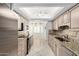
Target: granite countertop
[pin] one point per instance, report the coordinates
(30, 36)
(72, 46)
(22, 34)
(22, 37)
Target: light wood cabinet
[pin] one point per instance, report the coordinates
(22, 46)
(57, 48)
(52, 44)
(65, 52)
(55, 25)
(66, 20)
(60, 20)
(75, 18)
(63, 20)
(70, 18)
(67, 17)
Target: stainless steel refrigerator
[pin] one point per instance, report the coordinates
(8, 32)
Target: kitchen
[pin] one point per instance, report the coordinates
(41, 29)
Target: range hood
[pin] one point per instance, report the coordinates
(63, 27)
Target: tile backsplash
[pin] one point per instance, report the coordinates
(71, 34)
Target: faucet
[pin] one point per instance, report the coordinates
(65, 36)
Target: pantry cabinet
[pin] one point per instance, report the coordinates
(75, 18)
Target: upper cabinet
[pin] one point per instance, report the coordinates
(55, 25)
(75, 18)
(60, 20)
(70, 18)
(66, 20)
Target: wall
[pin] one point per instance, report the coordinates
(37, 26)
(50, 27)
(73, 34)
(25, 22)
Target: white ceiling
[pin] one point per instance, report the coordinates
(41, 11)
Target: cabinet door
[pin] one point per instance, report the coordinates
(65, 52)
(75, 18)
(60, 51)
(19, 47)
(66, 17)
(55, 25)
(66, 20)
(56, 49)
(53, 45)
(22, 50)
(49, 40)
(60, 20)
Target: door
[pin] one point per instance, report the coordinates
(43, 30)
(39, 31)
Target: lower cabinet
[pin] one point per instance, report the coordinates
(30, 42)
(55, 50)
(65, 52)
(53, 44)
(58, 49)
(22, 46)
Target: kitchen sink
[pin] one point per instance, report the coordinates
(62, 39)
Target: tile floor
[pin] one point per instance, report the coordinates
(40, 47)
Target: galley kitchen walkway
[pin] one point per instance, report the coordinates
(40, 46)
